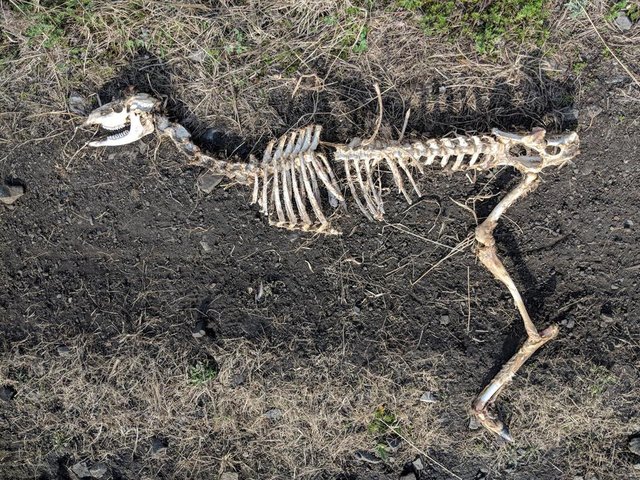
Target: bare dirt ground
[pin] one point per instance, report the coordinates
(315, 348)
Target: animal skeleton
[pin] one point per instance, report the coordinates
(296, 169)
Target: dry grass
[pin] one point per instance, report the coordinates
(109, 406)
(280, 64)
(259, 70)
(105, 402)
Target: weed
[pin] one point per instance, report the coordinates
(601, 380)
(60, 439)
(238, 44)
(632, 11)
(576, 8)
(384, 422)
(489, 26)
(49, 24)
(202, 372)
(578, 67)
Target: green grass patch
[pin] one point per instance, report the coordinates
(202, 372)
(632, 11)
(383, 422)
(490, 25)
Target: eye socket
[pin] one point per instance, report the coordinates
(552, 150)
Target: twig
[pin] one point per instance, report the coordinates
(379, 121)
(422, 452)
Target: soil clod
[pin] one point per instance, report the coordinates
(7, 393)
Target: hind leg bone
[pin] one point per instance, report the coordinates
(487, 254)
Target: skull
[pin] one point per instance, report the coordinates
(130, 119)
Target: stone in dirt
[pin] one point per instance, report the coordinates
(208, 181)
(78, 104)
(623, 22)
(367, 457)
(98, 470)
(81, 470)
(273, 414)
(634, 445)
(408, 476)
(10, 193)
(63, 350)
(229, 476)
(198, 330)
(428, 397)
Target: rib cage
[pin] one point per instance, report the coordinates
(363, 163)
(288, 188)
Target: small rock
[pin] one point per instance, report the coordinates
(606, 318)
(7, 393)
(481, 474)
(205, 246)
(98, 470)
(198, 330)
(594, 110)
(444, 320)
(473, 423)
(10, 193)
(569, 114)
(198, 56)
(428, 397)
(627, 224)
(229, 476)
(417, 464)
(273, 414)
(81, 470)
(636, 466)
(158, 445)
(394, 444)
(634, 445)
(367, 457)
(78, 104)
(409, 476)
(617, 79)
(623, 22)
(63, 350)
(208, 181)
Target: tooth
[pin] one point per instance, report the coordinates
(135, 133)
